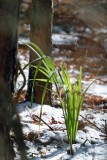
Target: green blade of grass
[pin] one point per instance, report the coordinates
(44, 91)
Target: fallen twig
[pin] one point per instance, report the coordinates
(33, 116)
(83, 143)
(93, 124)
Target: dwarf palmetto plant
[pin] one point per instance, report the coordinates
(73, 97)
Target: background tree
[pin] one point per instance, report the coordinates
(9, 14)
(41, 19)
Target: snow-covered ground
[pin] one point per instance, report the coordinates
(43, 143)
(51, 143)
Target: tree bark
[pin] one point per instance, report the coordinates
(8, 40)
(9, 10)
(41, 20)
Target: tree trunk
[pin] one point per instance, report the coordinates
(8, 40)
(9, 10)
(41, 20)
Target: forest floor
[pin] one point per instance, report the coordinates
(76, 43)
(50, 142)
